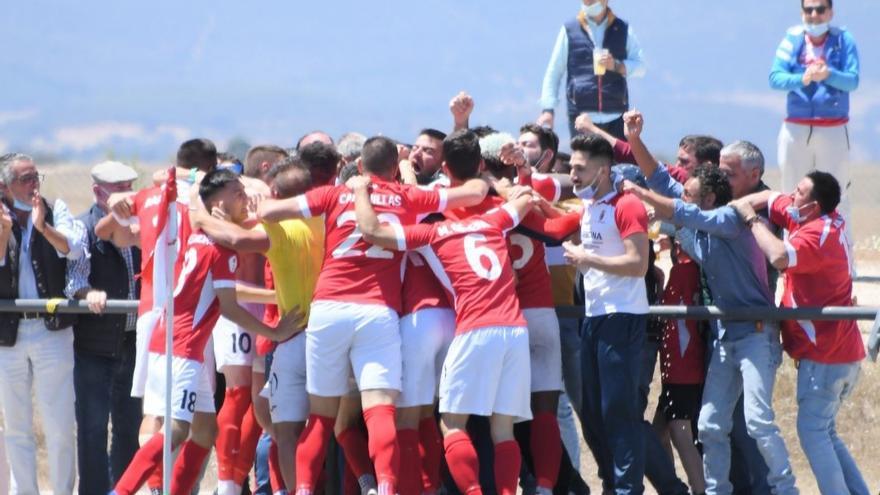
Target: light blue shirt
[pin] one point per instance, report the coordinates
(558, 66)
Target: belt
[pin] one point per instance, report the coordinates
(31, 316)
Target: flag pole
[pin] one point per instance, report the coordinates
(170, 255)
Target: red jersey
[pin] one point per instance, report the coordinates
(470, 259)
(145, 208)
(545, 185)
(355, 270)
(271, 316)
(683, 354)
(421, 289)
(817, 275)
(206, 266)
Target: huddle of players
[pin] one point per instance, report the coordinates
(467, 307)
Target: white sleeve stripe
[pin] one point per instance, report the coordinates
(513, 215)
(303, 205)
(558, 193)
(792, 254)
(772, 199)
(224, 284)
(444, 199)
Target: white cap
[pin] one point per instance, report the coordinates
(112, 172)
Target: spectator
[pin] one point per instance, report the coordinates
(314, 137)
(746, 353)
(36, 348)
(815, 261)
(321, 159)
(426, 158)
(598, 51)
(104, 345)
(613, 258)
(818, 66)
(349, 147)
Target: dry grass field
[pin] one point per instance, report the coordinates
(857, 421)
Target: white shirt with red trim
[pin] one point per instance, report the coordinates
(206, 266)
(145, 208)
(604, 226)
(355, 270)
(470, 259)
(817, 275)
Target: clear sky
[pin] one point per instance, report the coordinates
(82, 78)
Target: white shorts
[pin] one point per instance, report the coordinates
(544, 349)
(145, 325)
(191, 389)
(344, 338)
(233, 345)
(487, 372)
(286, 384)
(424, 341)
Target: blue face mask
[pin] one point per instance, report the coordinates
(588, 192)
(816, 30)
(594, 10)
(795, 212)
(21, 205)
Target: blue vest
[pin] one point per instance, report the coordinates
(818, 100)
(585, 91)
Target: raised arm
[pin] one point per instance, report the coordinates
(633, 124)
(773, 247)
(461, 106)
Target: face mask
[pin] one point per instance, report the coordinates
(795, 212)
(594, 10)
(21, 205)
(816, 30)
(588, 192)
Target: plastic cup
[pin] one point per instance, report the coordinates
(598, 68)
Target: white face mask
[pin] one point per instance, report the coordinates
(21, 205)
(816, 30)
(588, 192)
(593, 10)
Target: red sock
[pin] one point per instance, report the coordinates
(384, 451)
(507, 464)
(357, 455)
(464, 466)
(431, 452)
(188, 466)
(235, 405)
(275, 477)
(410, 462)
(310, 452)
(546, 444)
(350, 485)
(144, 462)
(250, 436)
(155, 479)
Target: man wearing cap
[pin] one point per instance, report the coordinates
(37, 237)
(104, 345)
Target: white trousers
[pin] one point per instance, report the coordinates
(40, 361)
(804, 148)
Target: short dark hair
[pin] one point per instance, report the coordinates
(483, 130)
(706, 148)
(259, 154)
(214, 181)
(433, 134)
(713, 180)
(830, 4)
(197, 153)
(826, 190)
(595, 146)
(461, 151)
(379, 156)
(547, 139)
(321, 159)
(279, 170)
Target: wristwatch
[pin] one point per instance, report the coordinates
(751, 220)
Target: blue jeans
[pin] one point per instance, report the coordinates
(746, 366)
(611, 361)
(103, 394)
(659, 467)
(821, 389)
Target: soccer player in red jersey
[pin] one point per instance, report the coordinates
(353, 322)
(205, 289)
(487, 369)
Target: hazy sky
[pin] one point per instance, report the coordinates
(82, 78)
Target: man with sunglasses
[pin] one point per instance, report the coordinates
(36, 348)
(818, 66)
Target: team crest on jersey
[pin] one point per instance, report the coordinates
(602, 216)
(233, 263)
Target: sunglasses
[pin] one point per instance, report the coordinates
(30, 178)
(819, 10)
